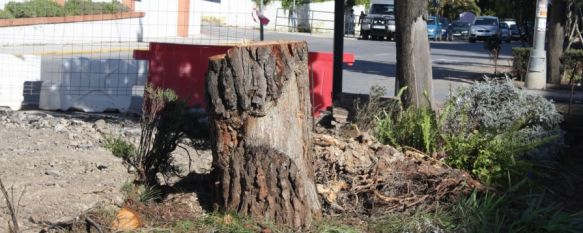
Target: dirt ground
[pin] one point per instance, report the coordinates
(56, 164)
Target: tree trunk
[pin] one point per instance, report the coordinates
(260, 117)
(557, 20)
(413, 57)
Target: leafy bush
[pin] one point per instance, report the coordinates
(88, 7)
(572, 64)
(520, 62)
(490, 129)
(4, 14)
(35, 8)
(494, 107)
(488, 126)
(49, 8)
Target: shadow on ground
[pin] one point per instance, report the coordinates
(439, 72)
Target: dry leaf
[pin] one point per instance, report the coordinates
(126, 220)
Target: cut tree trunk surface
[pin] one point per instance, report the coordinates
(259, 112)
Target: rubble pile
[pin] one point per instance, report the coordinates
(84, 131)
(361, 176)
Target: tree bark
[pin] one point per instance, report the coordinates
(557, 20)
(413, 57)
(260, 117)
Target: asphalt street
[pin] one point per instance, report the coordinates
(454, 63)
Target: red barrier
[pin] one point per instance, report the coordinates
(321, 70)
(183, 67)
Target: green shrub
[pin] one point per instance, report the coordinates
(4, 14)
(20, 9)
(49, 8)
(520, 62)
(35, 8)
(490, 129)
(572, 64)
(88, 7)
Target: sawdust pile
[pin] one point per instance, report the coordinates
(361, 176)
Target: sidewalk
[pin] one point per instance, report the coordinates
(88, 48)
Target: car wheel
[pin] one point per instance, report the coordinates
(472, 40)
(365, 36)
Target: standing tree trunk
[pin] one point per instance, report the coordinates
(558, 18)
(260, 117)
(413, 57)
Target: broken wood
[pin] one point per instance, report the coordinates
(259, 113)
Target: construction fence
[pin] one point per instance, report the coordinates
(79, 54)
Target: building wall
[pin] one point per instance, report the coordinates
(160, 21)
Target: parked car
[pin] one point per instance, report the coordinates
(460, 29)
(515, 34)
(505, 32)
(434, 28)
(380, 21)
(484, 27)
(445, 29)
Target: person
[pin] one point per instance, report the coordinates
(361, 17)
(293, 18)
(350, 23)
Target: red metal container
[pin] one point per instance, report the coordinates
(183, 67)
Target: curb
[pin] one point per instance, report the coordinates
(92, 51)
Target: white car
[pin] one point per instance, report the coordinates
(484, 27)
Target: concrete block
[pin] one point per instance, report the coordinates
(16, 72)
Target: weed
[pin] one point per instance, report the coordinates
(184, 226)
(418, 222)
(165, 121)
(513, 211)
(12, 205)
(367, 112)
(142, 193)
(330, 225)
(414, 127)
(228, 223)
(119, 147)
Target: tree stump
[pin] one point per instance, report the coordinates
(413, 57)
(260, 118)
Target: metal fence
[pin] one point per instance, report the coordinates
(81, 56)
(314, 22)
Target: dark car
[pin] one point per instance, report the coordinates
(515, 33)
(460, 30)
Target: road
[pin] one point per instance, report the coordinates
(454, 63)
